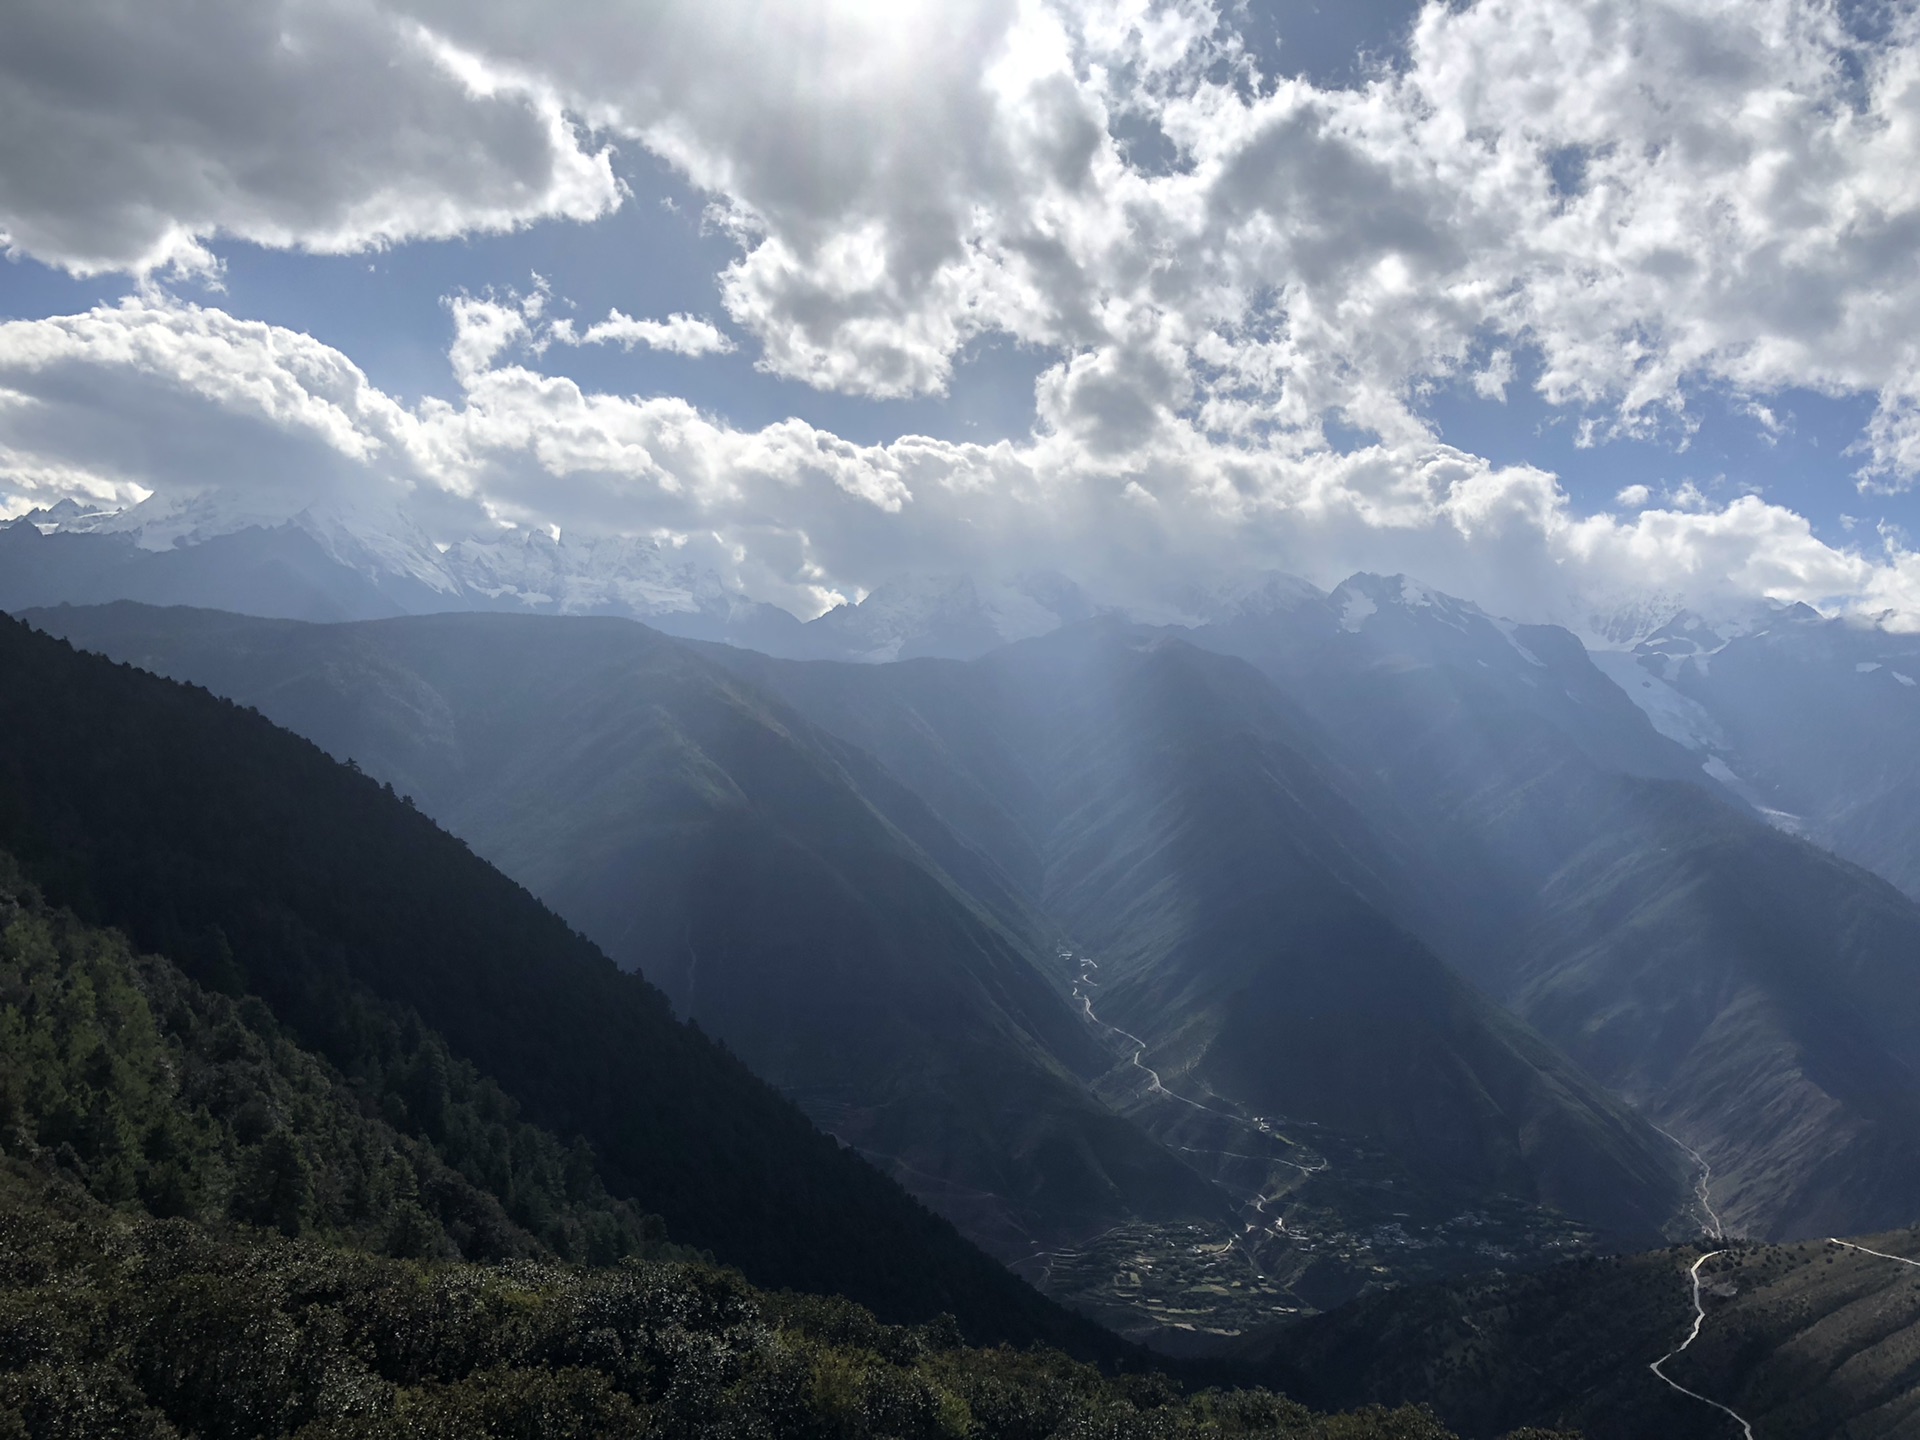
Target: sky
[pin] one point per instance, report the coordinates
(1556, 304)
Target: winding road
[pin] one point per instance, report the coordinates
(1897, 1259)
(1700, 1314)
(1699, 1319)
(1139, 1046)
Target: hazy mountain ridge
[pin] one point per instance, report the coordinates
(1569, 834)
(1818, 720)
(1379, 760)
(332, 561)
(946, 616)
(542, 766)
(1488, 759)
(721, 847)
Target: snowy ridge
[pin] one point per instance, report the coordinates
(533, 569)
(953, 616)
(1678, 717)
(568, 576)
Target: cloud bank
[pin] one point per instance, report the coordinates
(798, 515)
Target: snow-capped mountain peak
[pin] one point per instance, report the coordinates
(1664, 627)
(1360, 598)
(66, 514)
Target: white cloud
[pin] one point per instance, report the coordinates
(677, 334)
(240, 368)
(902, 179)
(131, 135)
(144, 393)
(905, 178)
(1491, 382)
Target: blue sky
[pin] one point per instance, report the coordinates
(1223, 280)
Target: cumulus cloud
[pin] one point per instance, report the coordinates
(1651, 194)
(132, 135)
(677, 334)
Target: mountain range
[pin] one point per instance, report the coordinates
(1508, 834)
(1208, 966)
(1694, 957)
(1811, 718)
(332, 560)
(799, 899)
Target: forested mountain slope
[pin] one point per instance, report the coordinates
(1235, 921)
(790, 896)
(264, 868)
(141, 1086)
(163, 1145)
(118, 1325)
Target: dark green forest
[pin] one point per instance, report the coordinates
(112, 1326)
(206, 1231)
(141, 1086)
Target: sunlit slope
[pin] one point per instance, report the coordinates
(1751, 993)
